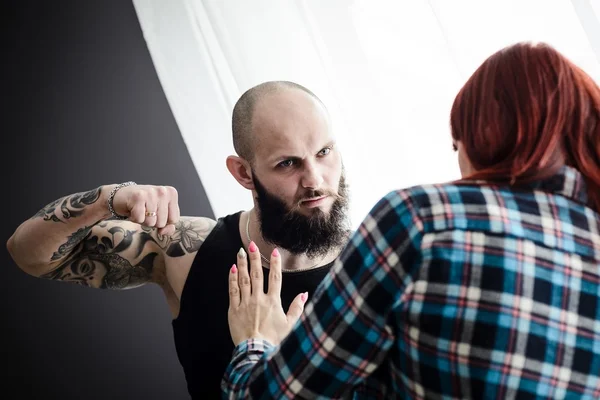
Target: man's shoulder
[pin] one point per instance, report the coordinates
(181, 249)
(216, 233)
(199, 225)
(198, 241)
(190, 233)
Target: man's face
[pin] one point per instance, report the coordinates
(300, 192)
(314, 235)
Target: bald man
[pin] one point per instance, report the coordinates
(127, 235)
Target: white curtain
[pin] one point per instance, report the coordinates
(388, 71)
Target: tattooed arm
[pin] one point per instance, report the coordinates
(73, 239)
(122, 255)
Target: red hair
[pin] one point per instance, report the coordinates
(526, 112)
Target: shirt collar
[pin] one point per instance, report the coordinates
(567, 182)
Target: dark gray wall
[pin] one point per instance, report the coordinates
(82, 106)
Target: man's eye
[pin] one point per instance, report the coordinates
(286, 163)
(325, 151)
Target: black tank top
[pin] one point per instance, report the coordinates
(201, 330)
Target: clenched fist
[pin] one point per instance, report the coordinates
(149, 205)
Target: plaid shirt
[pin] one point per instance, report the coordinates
(451, 292)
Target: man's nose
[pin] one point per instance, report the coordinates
(312, 177)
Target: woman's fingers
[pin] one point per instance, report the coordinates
(252, 313)
(243, 276)
(256, 273)
(296, 308)
(275, 276)
(234, 288)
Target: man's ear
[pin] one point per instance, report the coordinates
(241, 171)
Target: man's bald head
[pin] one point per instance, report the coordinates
(243, 112)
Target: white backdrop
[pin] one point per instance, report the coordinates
(388, 70)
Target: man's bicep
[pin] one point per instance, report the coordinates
(111, 254)
(190, 233)
(117, 254)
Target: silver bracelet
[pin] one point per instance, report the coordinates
(112, 196)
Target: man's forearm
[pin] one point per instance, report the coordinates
(50, 235)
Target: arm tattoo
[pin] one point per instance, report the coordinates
(92, 258)
(188, 237)
(48, 212)
(71, 206)
(96, 258)
(119, 273)
(71, 242)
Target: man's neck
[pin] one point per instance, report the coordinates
(290, 262)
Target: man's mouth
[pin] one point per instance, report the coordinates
(313, 201)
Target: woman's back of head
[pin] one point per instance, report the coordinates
(526, 112)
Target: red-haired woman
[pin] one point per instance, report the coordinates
(484, 288)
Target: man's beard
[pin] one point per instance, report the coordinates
(314, 235)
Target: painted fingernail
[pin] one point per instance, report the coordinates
(304, 296)
(275, 252)
(252, 247)
(233, 269)
(242, 252)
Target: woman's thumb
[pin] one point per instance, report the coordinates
(296, 308)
